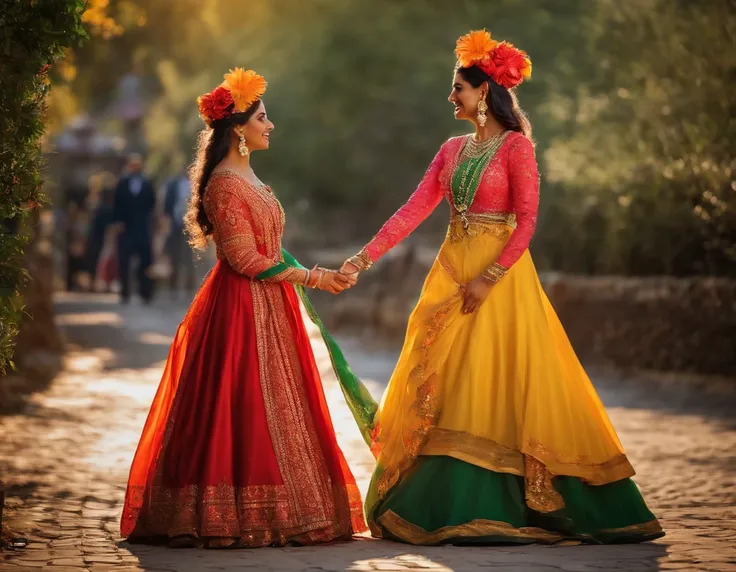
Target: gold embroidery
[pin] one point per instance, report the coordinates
(447, 267)
(485, 453)
(479, 528)
(426, 406)
(581, 466)
(540, 493)
(284, 276)
(279, 373)
(499, 225)
(644, 528)
(248, 224)
(293, 435)
(254, 515)
(474, 450)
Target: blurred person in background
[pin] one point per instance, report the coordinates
(133, 207)
(102, 219)
(176, 201)
(201, 475)
(490, 431)
(76, 224)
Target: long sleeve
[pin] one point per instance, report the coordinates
(237, 239)
(419, 206)
(524, 187)
(230, 216)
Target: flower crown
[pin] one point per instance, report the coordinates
(241, 89)
(504, 63)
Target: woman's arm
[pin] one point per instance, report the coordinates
(231, 216)
(524, 185)
(419, 206)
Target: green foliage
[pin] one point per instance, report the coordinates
(630, 101)
(644, 171)
(33, 34)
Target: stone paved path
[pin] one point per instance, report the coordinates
(65, 463)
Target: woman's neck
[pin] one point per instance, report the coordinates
(491, 128)
(235, 160)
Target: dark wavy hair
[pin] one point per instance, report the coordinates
(502, 102)
(213, 145)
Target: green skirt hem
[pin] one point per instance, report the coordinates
(447, 501)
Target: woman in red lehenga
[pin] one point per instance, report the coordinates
(239, 449)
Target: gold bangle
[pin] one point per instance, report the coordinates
(361, 260)
(319, 280)
(494, 272)
(307, 276)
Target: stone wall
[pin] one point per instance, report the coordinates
(661, 323)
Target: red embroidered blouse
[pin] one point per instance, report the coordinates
(509, 184)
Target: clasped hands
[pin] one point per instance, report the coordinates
(334, 281)
(474, 293)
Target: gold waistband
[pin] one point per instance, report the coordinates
(487, 218)
(473, 224)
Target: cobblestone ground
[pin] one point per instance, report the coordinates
(65, 462)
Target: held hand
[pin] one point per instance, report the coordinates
(475, 293)
(350, 269)
(335, 282)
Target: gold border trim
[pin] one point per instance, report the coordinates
(500, 225)
(414, 534)
(475, 450)
(507, 218)
(446, 265)
(424, 412)
(651, 527)
(493, 456)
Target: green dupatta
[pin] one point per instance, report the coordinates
(359, 400)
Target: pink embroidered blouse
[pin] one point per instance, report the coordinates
(509, 184)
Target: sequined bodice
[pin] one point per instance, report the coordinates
(509, 184)
(248, 222)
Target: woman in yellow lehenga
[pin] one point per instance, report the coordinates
(490, 430)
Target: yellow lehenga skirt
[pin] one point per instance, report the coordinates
(499, 392)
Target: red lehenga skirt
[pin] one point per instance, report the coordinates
(239, 448)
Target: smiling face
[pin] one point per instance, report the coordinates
(465, 98)
(257, 129)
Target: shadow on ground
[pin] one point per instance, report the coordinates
(385, 553)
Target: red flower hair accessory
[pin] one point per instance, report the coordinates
(504, 63)
(238, 92)
(215, 105)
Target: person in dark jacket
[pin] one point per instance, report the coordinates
(133, 211)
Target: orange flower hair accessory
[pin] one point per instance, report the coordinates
(501, 61)
(246, 87)
(241, 89)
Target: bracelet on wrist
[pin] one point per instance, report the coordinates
(361, 260)
(494, 272)
(322, 273)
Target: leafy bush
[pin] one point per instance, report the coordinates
(33, 35)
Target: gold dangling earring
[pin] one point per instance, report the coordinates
(242, 149)
(482, 108)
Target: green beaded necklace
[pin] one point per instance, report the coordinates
(466, 178)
